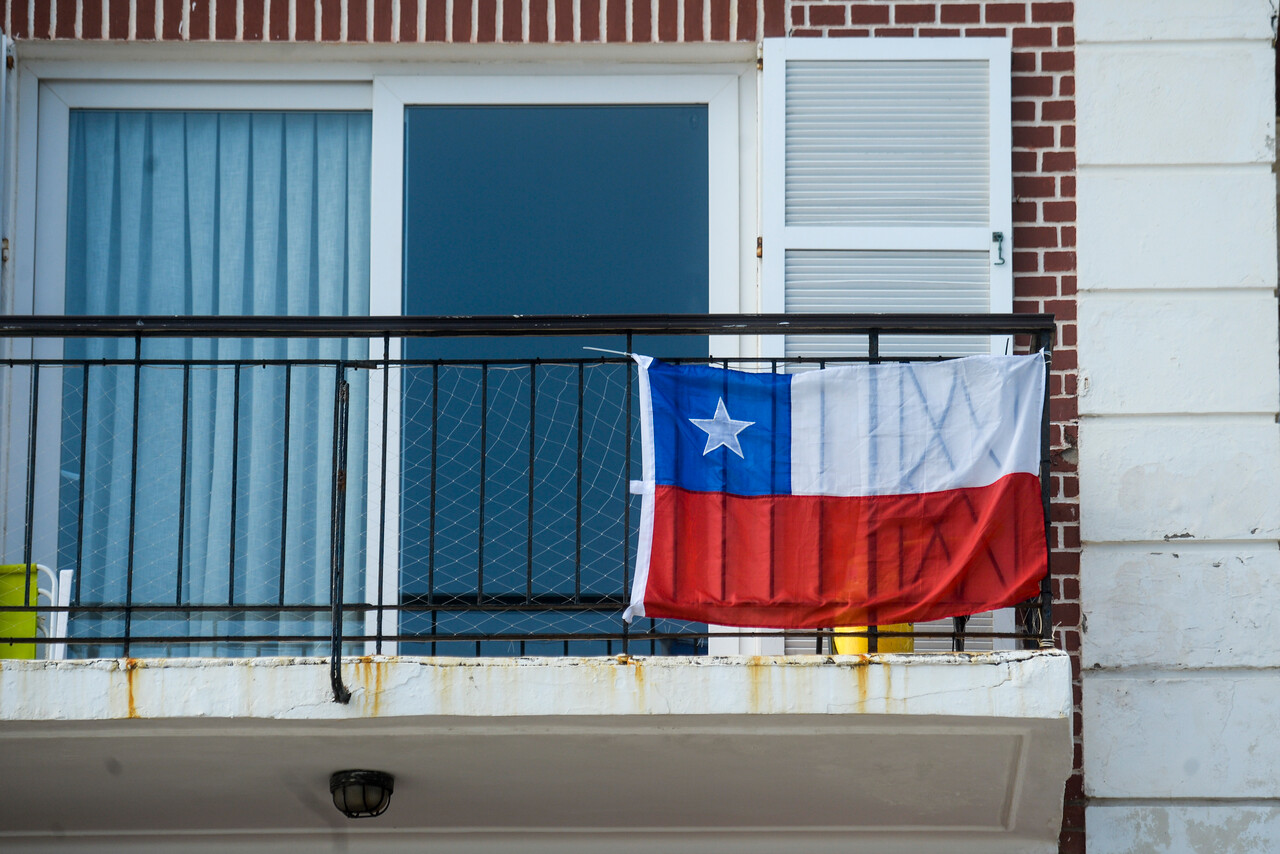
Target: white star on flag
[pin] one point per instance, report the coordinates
(721, 430)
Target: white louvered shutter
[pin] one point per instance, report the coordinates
(886, 175)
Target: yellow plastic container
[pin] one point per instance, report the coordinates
(17, 624)
(856, 645)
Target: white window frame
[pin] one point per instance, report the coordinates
(40, 238)
(391, 94)
(50, 89)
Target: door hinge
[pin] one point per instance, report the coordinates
(759, 247)
(4, 251)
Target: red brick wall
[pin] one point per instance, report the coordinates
(478, 21)
(1044, 160)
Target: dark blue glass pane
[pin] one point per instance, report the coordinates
(538, 210)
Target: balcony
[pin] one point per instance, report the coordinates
(356, 542)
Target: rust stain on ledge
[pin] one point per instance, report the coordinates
(371, 672)
(131, 666)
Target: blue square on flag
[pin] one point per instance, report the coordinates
(721, 431)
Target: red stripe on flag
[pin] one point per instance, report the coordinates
(820, 561)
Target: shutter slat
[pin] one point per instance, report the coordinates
(842, 281)
(873, 143)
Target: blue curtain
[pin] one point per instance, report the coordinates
(211, 484)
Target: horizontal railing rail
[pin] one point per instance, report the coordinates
(291, 326)
(320, 485)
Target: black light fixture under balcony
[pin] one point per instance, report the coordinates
(361, 794)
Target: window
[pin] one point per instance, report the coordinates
(216, 210)
(537, 195)
(147, 143)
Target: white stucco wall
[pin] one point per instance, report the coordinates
(1179, 443)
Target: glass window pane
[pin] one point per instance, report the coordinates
(182, 482)
(537, 210)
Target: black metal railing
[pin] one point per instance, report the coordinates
(318, 485)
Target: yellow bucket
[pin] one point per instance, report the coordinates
(17, 624)
(855, 645)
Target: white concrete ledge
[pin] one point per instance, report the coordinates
(928, 754)
(1029, 684)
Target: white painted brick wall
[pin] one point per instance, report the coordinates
(1179, 829)
(1170, 227)
(1194, 351)
(1197, 103)
(1145, 478)
(1171, 20)
(1228, 616)
(1177, 735)
(1178, 435)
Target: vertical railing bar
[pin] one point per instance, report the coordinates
(431, 513)
(235, 484)
(382, 494)
(133, 494)
(626, 501)
(484, 474)
(28, 544)
(284, 481)
(577, 506)
(873, 632)
(822, 364)
(337, 544)
(773, 472)
(84, 448)
(182, 479)
(533, 421)
(1045, 342)
(724, 498)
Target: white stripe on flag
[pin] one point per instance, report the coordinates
(895, 429)
(644, 545)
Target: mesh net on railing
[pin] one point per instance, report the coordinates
(193, 499)
(195, 504)
(515, 512)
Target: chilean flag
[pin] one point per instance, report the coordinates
(862, 495)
